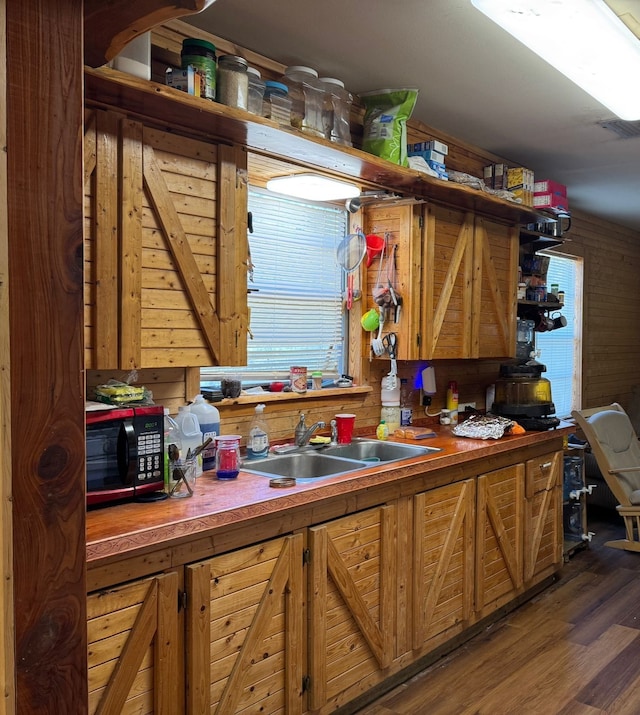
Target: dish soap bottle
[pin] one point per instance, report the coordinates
(258, 442)
(382, 431)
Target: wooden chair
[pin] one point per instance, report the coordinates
(615, 446)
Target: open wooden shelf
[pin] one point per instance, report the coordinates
(177, 110)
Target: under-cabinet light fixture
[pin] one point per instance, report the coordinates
(582, 39)
(313, 187)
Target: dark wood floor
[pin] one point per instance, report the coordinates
(572, 650)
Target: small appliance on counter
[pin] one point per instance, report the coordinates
(125, 454)
(521, 394)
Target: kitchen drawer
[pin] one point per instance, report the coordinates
(543, 473)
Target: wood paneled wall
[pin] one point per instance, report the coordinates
(611, 294)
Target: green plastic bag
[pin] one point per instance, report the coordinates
(385, 122)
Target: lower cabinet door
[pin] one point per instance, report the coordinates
(499, 537)
(543, 533)
(444, 525)
(134, 649)
(244, 641)
(351, 602)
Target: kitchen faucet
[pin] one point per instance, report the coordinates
(303, 434)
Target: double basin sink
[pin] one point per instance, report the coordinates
(334, 460)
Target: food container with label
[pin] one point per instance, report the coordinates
(202, 55)
(232, 81)
(298, 379)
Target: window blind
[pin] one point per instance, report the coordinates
(295, 302)
(559, 349)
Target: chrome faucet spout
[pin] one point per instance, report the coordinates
(302, 440)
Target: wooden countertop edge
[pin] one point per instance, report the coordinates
(128, 530)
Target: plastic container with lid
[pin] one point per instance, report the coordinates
(256, 91)
(201, 54)
(307, 98)
(336, 111)
(190, 434)
(277, 103)
(390, 415)
(232, 81)
(209, 421)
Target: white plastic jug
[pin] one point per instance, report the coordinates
(190, 433)
(209, 420)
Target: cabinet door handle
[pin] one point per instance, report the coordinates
(545, 465)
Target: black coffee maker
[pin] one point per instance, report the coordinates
(521, 393)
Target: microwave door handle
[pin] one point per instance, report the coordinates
(127, 452)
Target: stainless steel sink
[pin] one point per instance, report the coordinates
(303, 465)
(333, 461)
(373, 450)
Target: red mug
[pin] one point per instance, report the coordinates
(344, 423)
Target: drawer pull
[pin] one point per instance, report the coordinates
(545, 465)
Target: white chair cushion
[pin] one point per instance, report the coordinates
(613, 429)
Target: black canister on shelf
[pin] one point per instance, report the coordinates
(201, 54)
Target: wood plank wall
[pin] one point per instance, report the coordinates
(611, 330)
(45, 404)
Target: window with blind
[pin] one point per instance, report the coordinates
(296, 288)
(560, 350)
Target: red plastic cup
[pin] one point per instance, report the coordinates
(344, 423)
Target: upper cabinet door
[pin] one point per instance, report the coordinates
(495, 289)
(469, 266)
(165, 248)
(448, 276)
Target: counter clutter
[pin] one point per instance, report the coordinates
(125, 529)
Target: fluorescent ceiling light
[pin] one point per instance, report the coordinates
(583, 39)
(313, 187)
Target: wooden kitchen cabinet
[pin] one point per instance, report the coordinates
(244, 633)
(135, 648)
(352, 594)
(165, 247)
(499, 574)
(443, 563)
(543, 533)
(469, 274)
(456, 272)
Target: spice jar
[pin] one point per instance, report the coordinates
(227, 456)
(201, 55)
(232, 81)
(256, 91)
(277, 104)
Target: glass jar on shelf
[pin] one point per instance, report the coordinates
(232, 81)
(336, 112)
(256, 91)
(307, 98)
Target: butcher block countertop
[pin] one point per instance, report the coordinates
(225, 514)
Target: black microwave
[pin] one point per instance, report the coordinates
(125, 454)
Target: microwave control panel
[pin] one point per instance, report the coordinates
(150, 448)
